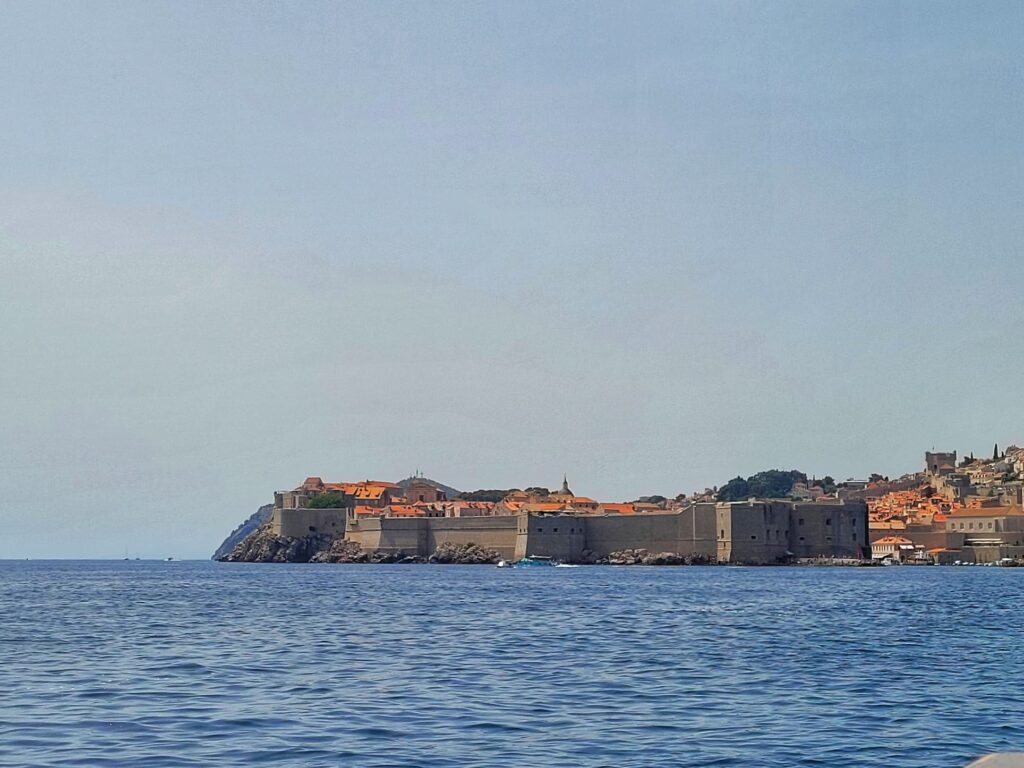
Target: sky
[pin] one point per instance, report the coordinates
(648, 245)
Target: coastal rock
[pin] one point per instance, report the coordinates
(262, 546)
(664, 558)
(341, 551)
(245, 529)
(643, 557)
(463, 554)
(627, 557)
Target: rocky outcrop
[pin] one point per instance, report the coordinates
(643, 557)
(341, 551)
(463, 554)
(255, 520)
(262, 546)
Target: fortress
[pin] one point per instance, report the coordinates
(756, 531)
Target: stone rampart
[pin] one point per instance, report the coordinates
(302, 522)
(422, 536)
(570, 537)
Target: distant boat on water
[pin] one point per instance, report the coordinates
(536, 561)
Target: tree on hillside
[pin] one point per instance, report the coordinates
(538, 491)
(828, 484)
(486, 495)
(770, 484)
(995, 453)
(775, 483)
(330, 501)
(734, 490)
(649, 500)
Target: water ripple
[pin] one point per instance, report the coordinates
(198, 664)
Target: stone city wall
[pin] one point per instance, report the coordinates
(305, 522)
(742, 532)
(421, 536)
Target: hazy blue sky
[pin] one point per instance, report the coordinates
(649, 245)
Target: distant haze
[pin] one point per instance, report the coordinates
(651, 246)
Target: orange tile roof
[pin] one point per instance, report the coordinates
(369, 492)
(893, 540)
(622, 509)
(381, 483)
(406, 510)
(987, 512)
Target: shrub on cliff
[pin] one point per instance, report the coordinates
(486, 495)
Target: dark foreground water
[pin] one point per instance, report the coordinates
(201, 664)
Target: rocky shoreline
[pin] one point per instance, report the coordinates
(262, 546)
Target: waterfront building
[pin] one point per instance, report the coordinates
(896, 548)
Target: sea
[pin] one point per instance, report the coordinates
(214, 664)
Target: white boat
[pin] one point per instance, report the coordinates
(536, 561)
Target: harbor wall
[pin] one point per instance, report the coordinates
(753, 532)
(574, 537)
(422, 536)
(769, 531)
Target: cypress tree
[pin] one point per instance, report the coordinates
(995, 453)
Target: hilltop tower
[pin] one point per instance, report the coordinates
(941, 463)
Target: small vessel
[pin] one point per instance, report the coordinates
(504, 564)
(168, 559)
(536, 561)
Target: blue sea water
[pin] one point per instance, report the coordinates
(205, 664)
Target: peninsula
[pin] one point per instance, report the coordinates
(950, 512)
